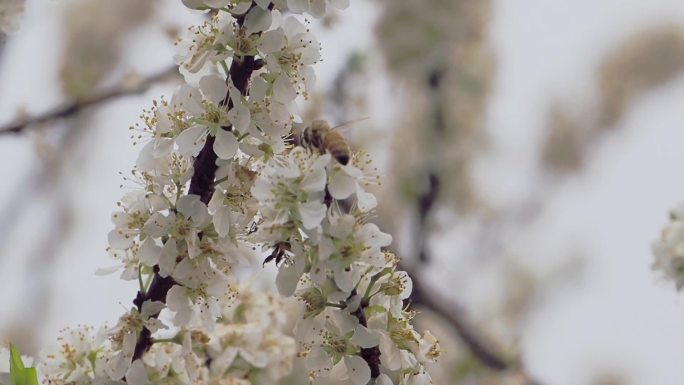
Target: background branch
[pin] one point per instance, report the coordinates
(98, 98)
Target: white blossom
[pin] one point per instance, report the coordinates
(290, 51)
(10, 12)
(206, 44)
(290, 191)
(317, 8)
(72, 361)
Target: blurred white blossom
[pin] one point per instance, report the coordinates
(10, 12)
(669, 249)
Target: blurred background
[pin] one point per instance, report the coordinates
(529, 153)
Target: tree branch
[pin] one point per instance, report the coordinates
(74, 107)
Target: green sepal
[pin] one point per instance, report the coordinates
(19, 374)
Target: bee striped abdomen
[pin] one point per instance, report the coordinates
(335, 143)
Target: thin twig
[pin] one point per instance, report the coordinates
(74, 107)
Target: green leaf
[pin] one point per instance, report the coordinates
(19, 374)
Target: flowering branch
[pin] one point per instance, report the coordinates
(75, 107)
(219, 186)
(201, 184)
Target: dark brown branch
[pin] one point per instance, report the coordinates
(74, 107)
(202, 184)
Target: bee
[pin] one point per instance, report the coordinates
(320, 136)
(279, 253)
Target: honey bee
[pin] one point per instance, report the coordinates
(279, 253)
(320, 136)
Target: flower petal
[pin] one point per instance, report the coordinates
(191, 140)
(257, 20)
(287, 280)
(341, 185)
(222, 221)
(358, 370)
(213, 88)
(225, 145)
(312, 213)
(283, 91)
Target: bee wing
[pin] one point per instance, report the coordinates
(347, 124)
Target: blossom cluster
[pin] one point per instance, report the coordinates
(221, 185)
(669, 248)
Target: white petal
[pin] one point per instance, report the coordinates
(383, 379)
(258, 89)
(149, 252)
(292, 26)
(225, 145)
(389, 353)
(340, 4)
(312, 213)
(213, 88)
(146, 159)
(216, 200)
(150, 308)
(364, 337)
(136, 374)
(297, 6)
(345, 321)
(272, 41)
(157, 225)
(358, 370)
(317, 8)
(257, 20)
(408, 284)
(287, 280)
(374, 237)
(191, 140)
(107, 270)
(218, 284)
(162, 147)
(420, 378)
(217, 3)
(239, 116)
(365, 201)
(346, 279)
(190, 99)
(222, 221)
(120, 240)
(167, 258)
(309, 75)
(194, 4)
(314, 181)
(221, 363)
(192, 207)
(178, 302)
(318, 359)
(193, 242)
(283, 91)
(341, 186)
